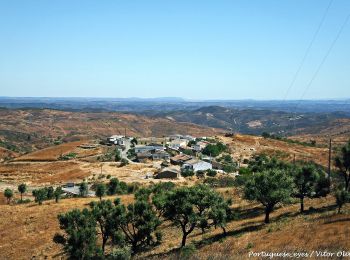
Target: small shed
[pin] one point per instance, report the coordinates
(168, 173)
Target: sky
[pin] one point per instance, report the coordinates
(195, 49)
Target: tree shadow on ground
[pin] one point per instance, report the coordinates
(337, 220)
(234, 233)
(323, 209)
(248, 213)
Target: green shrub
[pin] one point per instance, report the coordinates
(25, 201)
(67, 157)
(120, 254)
(211, 173)
(187, 172)
(187, 251)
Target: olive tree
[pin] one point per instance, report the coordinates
(58, 193)
(22, 188)
(8, 193)
(40, 195)
(102, 212)
(83, 189)
(80, 235)
(195, 207)
(341, 196)
(342, 161)
(101, 190)
(305, 179)
(269, 187)
(137, 221)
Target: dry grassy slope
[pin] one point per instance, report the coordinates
(340, 132)
(29, 231)
(6, 154)
(42, 173)
(244, 146)
(39, 127)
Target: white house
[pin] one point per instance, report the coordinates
(148, 148)
(199, 146)
(178, 143)
(197, 165)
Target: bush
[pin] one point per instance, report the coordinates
(187, 251)
(67, 157)
(214, 149)
(120, 254)
(221, 182)
(211, 173)
(187, 172)
(159, 237)
(23, 201)
(229, 168)
(133, 187)
(123, 162)
(200, 174)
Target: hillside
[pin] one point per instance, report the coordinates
(34, 129)
(245, 146)
(6, 154)
(29, 231)
(257, 121)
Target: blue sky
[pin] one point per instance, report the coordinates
(191, 49)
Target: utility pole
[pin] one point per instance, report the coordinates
(329, 160)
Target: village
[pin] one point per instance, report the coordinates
(171, 158)
(175, 154)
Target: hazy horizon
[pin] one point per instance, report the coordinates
(173, 98)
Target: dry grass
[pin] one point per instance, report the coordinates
(52, 153)
(26, 231)
(29, 231)
(42, 172)
(244, 146)
(6, 154)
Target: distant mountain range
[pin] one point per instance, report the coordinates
(173, 104)
(43, 120)
(255, 121)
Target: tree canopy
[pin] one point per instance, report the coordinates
(342, 161)
(269, 187)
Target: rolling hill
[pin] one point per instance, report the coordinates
(257, 121)
(28, 130)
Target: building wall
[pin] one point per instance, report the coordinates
(202, 166)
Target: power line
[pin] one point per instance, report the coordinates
(324, 59)
(320, 66)
(308, 49)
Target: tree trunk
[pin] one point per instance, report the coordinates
(183, 243)
(302, 204)
(21, 196)
(104, 240)
(134, 247)
(268, 210)
(224, 230)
